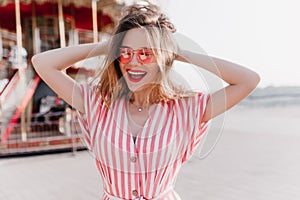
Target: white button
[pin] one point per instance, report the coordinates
(135, 192)
(133, 159)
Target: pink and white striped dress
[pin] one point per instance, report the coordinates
(148, 167)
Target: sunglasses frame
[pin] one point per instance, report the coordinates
(138, 53)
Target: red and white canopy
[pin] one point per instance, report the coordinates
(80, 10)
(76, 3)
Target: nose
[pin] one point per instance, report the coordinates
(134, 59)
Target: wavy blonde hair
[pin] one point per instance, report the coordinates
(109, 81)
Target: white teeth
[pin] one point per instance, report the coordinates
(136, 73)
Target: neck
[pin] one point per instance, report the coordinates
(140, 98)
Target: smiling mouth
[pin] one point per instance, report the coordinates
(136, 76)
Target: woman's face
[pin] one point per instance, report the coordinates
(137, 61)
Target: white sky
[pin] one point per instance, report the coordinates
(263, 35)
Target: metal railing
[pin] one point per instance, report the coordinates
(48, 132)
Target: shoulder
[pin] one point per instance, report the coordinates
(194, 104)
(88, 89)
(87, 86)
(90, 94)
(193, 96)
(190, 102)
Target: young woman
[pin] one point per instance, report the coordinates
(139, 125)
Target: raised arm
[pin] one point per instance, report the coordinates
(50, 65)
(241, 81)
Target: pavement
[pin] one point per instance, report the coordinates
(254, 160)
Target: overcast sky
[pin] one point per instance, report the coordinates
(263, 35)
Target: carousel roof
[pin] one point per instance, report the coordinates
(76, 3)
(80, 10)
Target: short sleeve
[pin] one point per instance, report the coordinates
(196, 106)
(92, 107)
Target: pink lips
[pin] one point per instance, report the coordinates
(135, 75)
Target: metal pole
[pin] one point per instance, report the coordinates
(1, 47)
(95, 23)
(61, 24)
(33, 28)
(19, 32)
(20, 70)
(68, 121)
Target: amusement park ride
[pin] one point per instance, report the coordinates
(32, 118)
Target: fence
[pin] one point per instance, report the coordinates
(49, 132)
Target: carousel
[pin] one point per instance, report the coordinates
(32, 117)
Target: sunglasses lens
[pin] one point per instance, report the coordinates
(125, 55)
(145, 56)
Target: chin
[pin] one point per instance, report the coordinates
(136, 88)
(144, 84)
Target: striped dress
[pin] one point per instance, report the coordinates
(147, 167)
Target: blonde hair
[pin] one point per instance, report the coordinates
(109, 81)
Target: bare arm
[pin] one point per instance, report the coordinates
(241, 81)
(50, 65)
